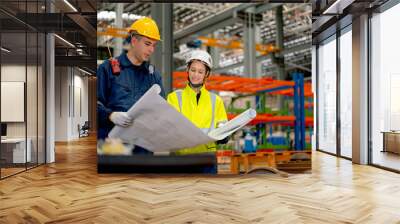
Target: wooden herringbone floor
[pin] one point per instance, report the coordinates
(71, 191)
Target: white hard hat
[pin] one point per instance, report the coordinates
(201, 56)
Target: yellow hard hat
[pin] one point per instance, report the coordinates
(147, 27)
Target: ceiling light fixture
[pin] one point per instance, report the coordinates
(337, 7)
(64, 40)
(86, 72)
(70, 5)
(5, 49)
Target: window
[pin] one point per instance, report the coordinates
(385, 84)
(346, 93)
(327, 95)
(22, 90)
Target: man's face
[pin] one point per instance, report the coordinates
(143, 47)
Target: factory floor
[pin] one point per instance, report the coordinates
(71, 191)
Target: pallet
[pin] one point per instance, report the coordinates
(271, 161)
(249, 163)
(295, 166)
(289, 156)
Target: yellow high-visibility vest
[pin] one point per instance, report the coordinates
(205, 115)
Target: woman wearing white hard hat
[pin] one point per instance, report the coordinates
(205, 109)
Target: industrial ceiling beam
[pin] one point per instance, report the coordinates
(320, 23)
(207, 30)
(302, 64)
(82, 61)
(266, 7)
(264, 57)
(89, 30)
(83, 23)
(130, 7)
(287, 68)
(197, 7)
(293, 65)
(209, 24)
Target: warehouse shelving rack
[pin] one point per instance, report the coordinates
(258, 87)
(270, 160)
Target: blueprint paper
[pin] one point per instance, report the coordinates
(159, 127)
(233, 125)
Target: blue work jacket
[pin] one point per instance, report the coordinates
(118, 92)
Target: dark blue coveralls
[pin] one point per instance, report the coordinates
(118, 92)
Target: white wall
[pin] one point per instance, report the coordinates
(12, 73)
(61, 103)
(80, 110)
(71, 93)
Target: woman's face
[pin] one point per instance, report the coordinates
(197, 72)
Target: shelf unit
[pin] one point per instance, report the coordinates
(259, 87)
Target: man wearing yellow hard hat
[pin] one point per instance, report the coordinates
(122, 81)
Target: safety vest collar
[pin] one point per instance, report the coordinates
(191, 92)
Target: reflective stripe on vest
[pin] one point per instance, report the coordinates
(213, 98)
